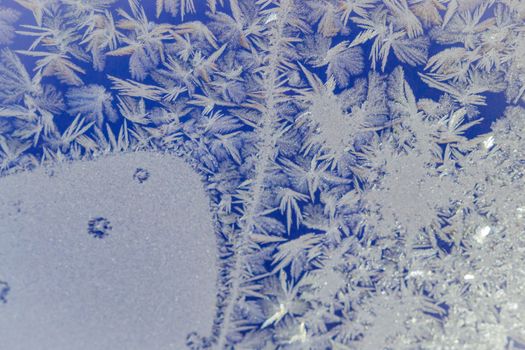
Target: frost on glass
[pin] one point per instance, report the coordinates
(94, 259)
(363, 159)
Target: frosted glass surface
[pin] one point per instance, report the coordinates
(146, 283)
(363, 160)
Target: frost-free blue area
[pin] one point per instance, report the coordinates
(117, 66)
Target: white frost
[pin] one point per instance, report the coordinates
(146, 285)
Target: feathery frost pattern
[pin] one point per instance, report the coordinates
(365, 194)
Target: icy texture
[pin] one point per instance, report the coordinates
(363, 158)
(147, 282)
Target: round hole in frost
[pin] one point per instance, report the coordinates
(99, 227)
(147, 285)
(141, 175)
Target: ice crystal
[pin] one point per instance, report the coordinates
(7, 18)
(93, 101)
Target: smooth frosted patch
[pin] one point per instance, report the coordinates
(145, 281)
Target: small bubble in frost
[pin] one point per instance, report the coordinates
(141, 175)
(99, 227)
(4, 290)
(196, 342)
